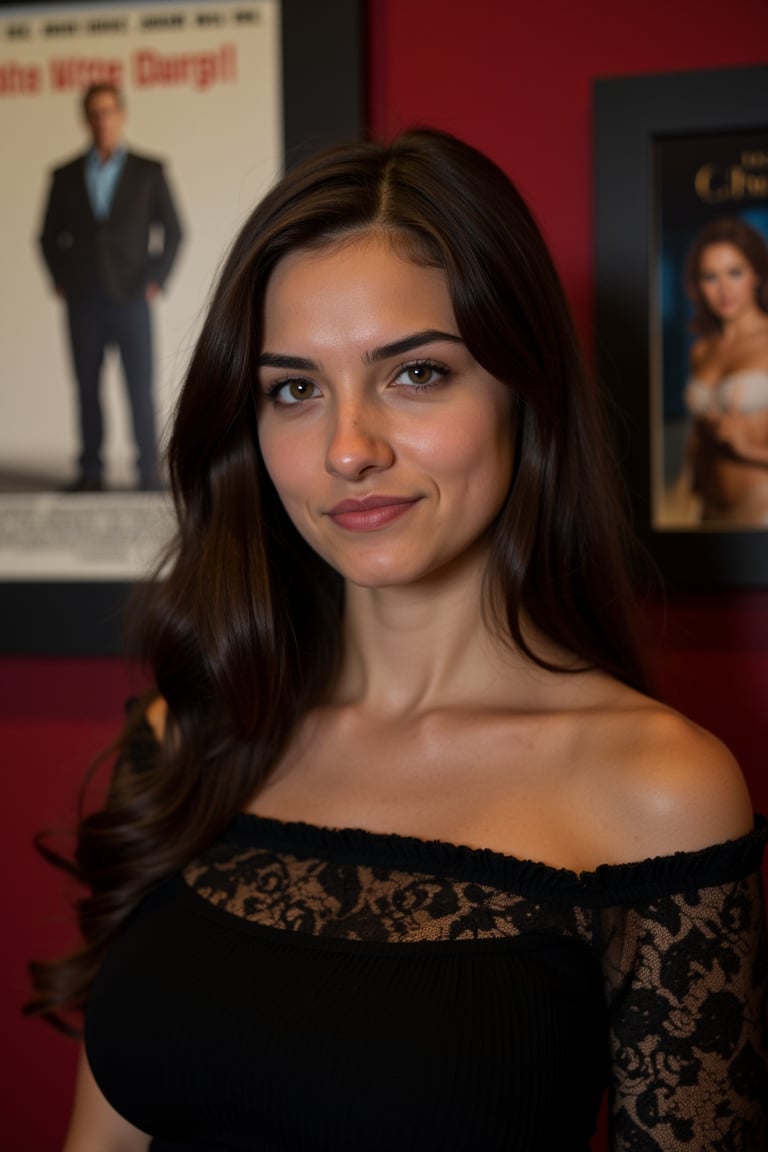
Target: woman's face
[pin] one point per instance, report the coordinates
(389, 445)
(727, 281)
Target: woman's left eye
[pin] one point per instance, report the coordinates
(421, 374)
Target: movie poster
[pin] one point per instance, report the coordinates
(202, 84)
(709, 351)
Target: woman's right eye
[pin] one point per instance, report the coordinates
(288, 393)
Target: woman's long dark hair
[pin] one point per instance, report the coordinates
(242, 628)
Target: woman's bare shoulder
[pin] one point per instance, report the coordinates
(670, 785)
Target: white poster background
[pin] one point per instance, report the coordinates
(202, 83)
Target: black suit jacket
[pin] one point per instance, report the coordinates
(118, 257)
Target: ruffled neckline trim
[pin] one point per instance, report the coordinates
(714, 865)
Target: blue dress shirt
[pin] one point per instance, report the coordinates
(101, 180)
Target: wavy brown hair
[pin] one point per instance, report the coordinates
(751, 244)
(242, 629)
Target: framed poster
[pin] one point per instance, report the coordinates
(226, 93)
(681, 216)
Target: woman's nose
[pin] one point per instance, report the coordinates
(358, 442)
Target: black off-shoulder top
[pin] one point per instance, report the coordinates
(300, 989)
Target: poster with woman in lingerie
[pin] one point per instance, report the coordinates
(710, 393)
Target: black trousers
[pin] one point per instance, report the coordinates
(95, 324)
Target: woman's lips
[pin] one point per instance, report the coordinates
(371, 512)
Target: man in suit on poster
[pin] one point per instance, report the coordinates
(110, 237)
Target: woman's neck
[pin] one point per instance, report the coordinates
(425, 646)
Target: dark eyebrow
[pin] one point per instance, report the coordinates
(275, 360)
(408, 344)
(385, 352)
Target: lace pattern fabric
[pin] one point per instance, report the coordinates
(686, 982)
(364, 902)
(681, 943)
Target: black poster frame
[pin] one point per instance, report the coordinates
(631, 113)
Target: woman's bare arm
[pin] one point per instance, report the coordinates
(736, 431)
(95, 1126)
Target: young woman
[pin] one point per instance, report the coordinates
(395, 665)
(727, 393)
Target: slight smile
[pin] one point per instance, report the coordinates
(370, 513)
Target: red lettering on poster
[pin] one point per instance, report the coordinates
(72, 73)
(198, 69)
(19, 79)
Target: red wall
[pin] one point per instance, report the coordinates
(515, 79)
(55, 717)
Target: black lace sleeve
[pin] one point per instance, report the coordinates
(686, 969)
